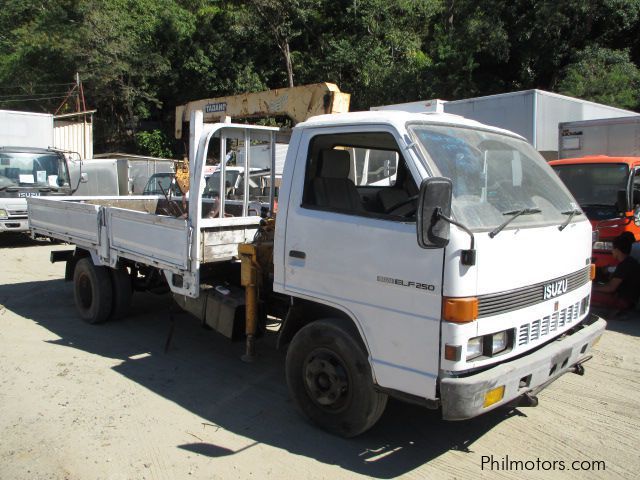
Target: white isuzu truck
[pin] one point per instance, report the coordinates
(29, 166)
(462, 283)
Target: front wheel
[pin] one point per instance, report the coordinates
(330, 380)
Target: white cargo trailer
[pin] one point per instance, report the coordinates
(615, 137)
(534, 114)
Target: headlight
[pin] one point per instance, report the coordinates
(490, 345)
(499, 342)
(3, 214)
(474, 348)
(603, 246)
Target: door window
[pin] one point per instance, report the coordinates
(359, 174)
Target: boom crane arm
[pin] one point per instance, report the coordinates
(296, 103)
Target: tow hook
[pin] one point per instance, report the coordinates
(577, 369)
(528, 400)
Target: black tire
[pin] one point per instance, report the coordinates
(330, 380)
(122, 290)
(92, 291)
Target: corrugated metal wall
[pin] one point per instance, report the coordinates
(74, 136)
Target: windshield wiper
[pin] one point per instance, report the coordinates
(571, 213)
(514, 214)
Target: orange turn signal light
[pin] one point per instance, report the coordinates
(460, 310)
(592, 271)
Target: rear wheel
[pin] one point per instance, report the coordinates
(92, 291)
(330, 380)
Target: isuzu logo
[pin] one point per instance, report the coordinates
(28, 194)
(554, 289)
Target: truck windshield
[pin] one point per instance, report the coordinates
(162, 184)
(493, 176)
(29, 169)
(595, 186)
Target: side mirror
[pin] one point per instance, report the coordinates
(433, 202)
(622, 201)
(84, 178)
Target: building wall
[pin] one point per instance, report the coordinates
(74, 136)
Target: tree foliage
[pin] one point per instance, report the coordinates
(604, 76)
(138, 59)
(154, 143)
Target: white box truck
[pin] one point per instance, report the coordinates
(534, 114)
(461, 285)
(29, 166)
(613, 137)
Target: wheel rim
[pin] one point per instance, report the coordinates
(326, 380)
(85, 293)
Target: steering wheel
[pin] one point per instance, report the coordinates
(402, 204)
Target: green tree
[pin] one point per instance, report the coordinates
(374, 49)
(138, 59)
(154, 143)
(603, 75)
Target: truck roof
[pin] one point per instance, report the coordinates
(399, 119)
(27, 150)
(595, 159)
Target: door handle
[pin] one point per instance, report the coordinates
(297, 254)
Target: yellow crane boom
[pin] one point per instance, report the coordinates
(296, 103)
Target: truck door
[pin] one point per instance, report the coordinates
(352, 245)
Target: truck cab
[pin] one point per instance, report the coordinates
(29, 172)
(450, 317)
(608, 191)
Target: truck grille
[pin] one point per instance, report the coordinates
(17, 213)
(540, 328)
(497, 303)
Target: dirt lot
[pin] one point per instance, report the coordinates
(81, 401)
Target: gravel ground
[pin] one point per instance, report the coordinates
(107, 402)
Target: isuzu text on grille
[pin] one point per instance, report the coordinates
(556, 288)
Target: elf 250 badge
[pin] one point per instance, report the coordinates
(406, 283)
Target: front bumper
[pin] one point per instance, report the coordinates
(464, 397)
(14, 225)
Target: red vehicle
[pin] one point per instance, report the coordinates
(608, 191)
